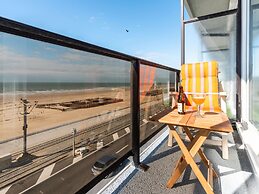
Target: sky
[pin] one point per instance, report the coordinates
(26, 60)
(153, 26)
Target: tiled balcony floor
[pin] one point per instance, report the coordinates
(235, 173)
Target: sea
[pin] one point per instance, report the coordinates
(38, 87)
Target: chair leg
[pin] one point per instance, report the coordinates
(180, 129)
(170, 138)
(224, 146)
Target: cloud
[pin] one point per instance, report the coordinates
(99, 21)
(92, 19)
(71, 65)
(163, 58)
(153, 55)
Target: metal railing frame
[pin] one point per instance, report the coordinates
(30, 32)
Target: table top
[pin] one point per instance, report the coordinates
(212, 121)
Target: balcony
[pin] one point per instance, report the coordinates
(75, 117)
(163, 159)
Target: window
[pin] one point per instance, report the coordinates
(254, 64)
(214, 39)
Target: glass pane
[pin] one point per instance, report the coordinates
(254, 3)
(215, 39)
(254, 65)
(196, 8)
(173, 82)
(54, 90)
(154, 96)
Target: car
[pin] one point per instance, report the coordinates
(102, 163)
(82, 151)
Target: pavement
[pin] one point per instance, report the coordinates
(236, 175)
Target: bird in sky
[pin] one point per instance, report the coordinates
(127, 30)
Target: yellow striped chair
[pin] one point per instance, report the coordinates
(203, 78)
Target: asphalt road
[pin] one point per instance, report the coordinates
(15, 145)
(78, 174)
(53, 151)
(68, 178)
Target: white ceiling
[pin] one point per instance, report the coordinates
(197, 8)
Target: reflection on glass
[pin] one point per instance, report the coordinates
(214, 39)
(254, 64)
(155, 85)
(62, 96)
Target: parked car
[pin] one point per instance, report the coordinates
(102, 163)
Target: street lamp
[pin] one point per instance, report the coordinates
(74, 141)
(27, 109)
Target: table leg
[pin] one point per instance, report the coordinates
(182, 164)
(202, 155)
(188, 159)
(177, 172)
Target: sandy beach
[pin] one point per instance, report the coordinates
(39, 119)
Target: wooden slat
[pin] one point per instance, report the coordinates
(210, 175)
(211, 121)
(173, 118)
(201, 154)
(161, 114)
(170, 138)
(224, 146)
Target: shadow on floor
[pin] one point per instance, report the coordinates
(163, 160)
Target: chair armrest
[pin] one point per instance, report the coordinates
(174, 99)
(222, 94)
(174, 93)
(223, 103)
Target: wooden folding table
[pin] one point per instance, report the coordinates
(210, 122)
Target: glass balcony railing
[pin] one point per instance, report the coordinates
(66, 109)
(254, 64)
(155, 87)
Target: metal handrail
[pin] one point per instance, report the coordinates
(24, 30)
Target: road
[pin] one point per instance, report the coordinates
(80, 173)
(54, 150)
(15, 145)
(69, 170)
(56, 155)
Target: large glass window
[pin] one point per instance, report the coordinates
(63, 99)
(214, 39)
(254, 63)
(155, 86)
